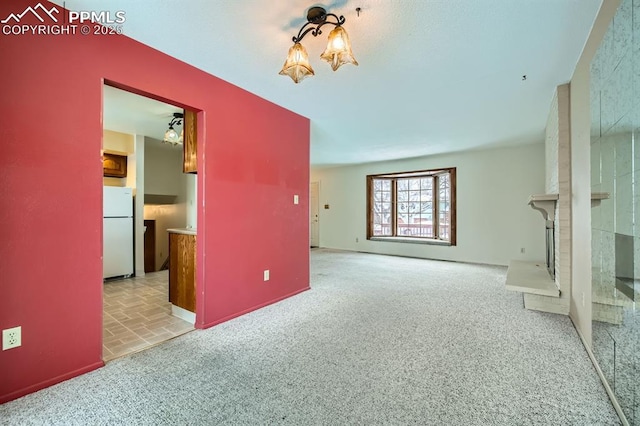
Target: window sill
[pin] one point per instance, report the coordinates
(412, 240)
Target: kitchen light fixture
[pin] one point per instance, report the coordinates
(171, 136)
(338, 51)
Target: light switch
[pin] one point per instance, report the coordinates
(296, 199)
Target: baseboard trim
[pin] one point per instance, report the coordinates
(254, 308)
(469, 262)
(183, 314)
(605, 383)
(45, 384)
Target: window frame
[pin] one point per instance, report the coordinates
(393, 177)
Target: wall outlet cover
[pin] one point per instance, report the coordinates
(11, 338)
(266, 275)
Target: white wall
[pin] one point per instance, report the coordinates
(493, 219)
(137, 159)
(163, 176)
(580, 311)
(192, 198)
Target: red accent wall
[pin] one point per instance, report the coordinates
(253, 157)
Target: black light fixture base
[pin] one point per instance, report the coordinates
(176, 120)
(316, 15)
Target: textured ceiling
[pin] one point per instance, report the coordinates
(435, 75)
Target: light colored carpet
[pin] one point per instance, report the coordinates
(378, 340)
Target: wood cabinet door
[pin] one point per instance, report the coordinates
(114, 165)
(190, 142)
(182, 271)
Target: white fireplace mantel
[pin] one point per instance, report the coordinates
(596, 197)
(545, 204)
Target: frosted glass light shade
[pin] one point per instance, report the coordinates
(171, 136)
(338, 51)
(297, 64)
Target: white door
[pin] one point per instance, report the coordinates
(314, 207)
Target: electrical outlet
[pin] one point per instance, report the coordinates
(296, 199)
(11, 338)
(266, 275)
(357, 240)
(522, 250)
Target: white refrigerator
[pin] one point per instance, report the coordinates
(117, 235)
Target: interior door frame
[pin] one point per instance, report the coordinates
(314, 189)
(106, 82)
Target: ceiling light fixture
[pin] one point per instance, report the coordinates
(338, 51)
(171, 136)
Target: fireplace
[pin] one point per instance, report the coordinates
(546, 204)
(551, 249)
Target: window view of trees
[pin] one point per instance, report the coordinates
(382, 207)
(406, 204)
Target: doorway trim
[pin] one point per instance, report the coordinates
(314, 214)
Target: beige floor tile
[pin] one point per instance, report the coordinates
(155, 312)
(106, 353)
(145, 333)
(158, 316)
(177, 328)
(161, 338)
(135, 322)
(119, 315)
(137, 315)
(160, 322)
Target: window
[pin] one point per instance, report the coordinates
(419, 206)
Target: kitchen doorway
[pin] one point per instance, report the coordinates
(137, 313)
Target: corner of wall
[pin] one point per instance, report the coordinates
(581, 127)
(558, 181)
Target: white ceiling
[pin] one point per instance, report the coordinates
(128, 113)
(435, 75)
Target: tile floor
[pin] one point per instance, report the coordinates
(137, 315)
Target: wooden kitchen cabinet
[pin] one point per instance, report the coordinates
(114, 165)
(190, 142)
(182, 270)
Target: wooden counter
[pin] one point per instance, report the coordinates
(182, 268)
